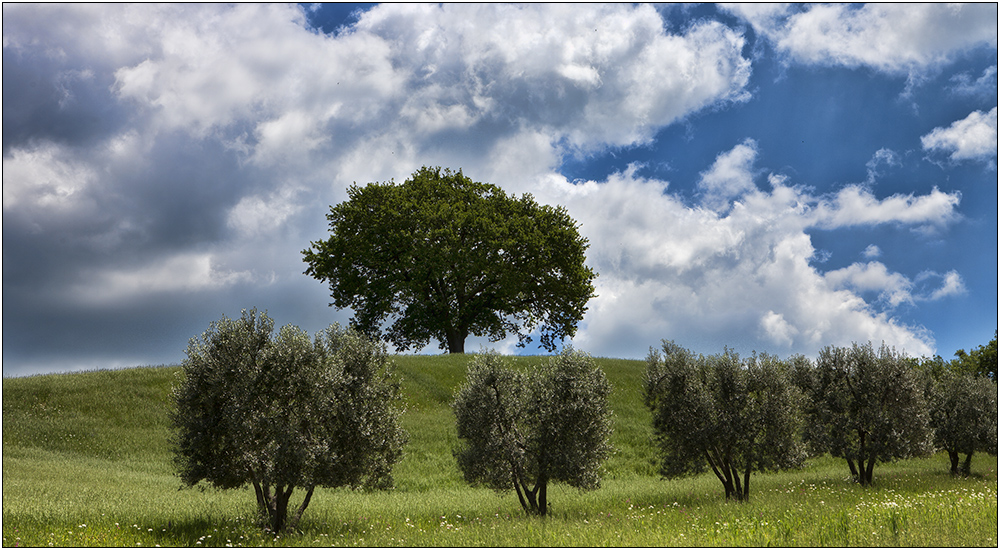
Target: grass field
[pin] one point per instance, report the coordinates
(86, 462)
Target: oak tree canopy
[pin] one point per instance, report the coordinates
(442, 256)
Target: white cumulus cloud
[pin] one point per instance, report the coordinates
(710, 279)
(856, 205)
(972, 138)
(893, 288)
(609, 75)
(186, 272)
(255, 216)
(890, 37)
(777, 330)
(47, 177)
(951, 285)
(730, 176)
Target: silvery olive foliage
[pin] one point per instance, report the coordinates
(279, 411)
(722, 413)
(522, 430)
(963, 415)
(867, 406)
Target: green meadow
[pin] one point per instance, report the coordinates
(87, 462)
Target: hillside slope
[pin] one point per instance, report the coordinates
(123, 416)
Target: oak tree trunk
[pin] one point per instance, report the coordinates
(456, 341)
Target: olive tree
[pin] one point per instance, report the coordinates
(868, 406)
(522, 430)
(733, 416)
(444, 257)
(980, 361)
(963, 415)
(278, 411)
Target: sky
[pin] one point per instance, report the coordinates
(771, 178)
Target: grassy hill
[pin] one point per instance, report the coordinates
(87, 461)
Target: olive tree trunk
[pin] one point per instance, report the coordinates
(729, 476)
(533, 500)
(967, 465)
(272, 506)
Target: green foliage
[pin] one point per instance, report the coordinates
(867, 407)
(278, 411)
(429, 387)
(488, 410)
(963, 415)
(569, 419)
(981, 361)
(522, 430)
(734, 416)
(443, 257)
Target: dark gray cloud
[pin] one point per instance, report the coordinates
(172, 199)
(58, 76)
(53, 333)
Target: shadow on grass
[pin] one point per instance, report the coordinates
(207, 531)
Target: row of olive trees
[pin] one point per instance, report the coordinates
(277, 411)
(736, 416)
(444, 257)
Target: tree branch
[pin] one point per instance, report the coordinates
(302, 508)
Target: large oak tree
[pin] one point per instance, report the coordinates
(442, 256)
